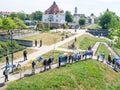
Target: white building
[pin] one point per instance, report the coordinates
(54, 15)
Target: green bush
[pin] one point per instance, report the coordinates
(5, 48)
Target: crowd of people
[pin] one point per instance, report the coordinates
(66, 58)
(114, 62)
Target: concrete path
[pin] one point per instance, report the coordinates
(41, 51)
(110, 49)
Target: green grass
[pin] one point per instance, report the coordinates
(103, 49)
(117, 50)
(84, 75)
(47, 38)
(93, 26)
(84, 41)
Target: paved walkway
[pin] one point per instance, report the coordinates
(40, 52)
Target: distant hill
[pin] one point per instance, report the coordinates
(83, 75)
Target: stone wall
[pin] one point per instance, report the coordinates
(24, 42)
(99, 32)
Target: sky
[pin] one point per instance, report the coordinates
(84, 6)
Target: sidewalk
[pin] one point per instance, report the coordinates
(41, 51)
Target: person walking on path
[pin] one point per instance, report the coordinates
(75, 39)
(7, 60)
(109, 59)
(40, 43)
(35, 43)
(6, 72)
(25, 55)
(103, 57)
(33, 67)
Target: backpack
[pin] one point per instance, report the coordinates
(4, 72)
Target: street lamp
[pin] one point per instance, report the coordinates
(11, 39)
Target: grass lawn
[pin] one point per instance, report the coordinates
(103, 49)
(84, 75)
(17, 55)
(117, 50)
(47, 38)
(84, 41)
(93, 26)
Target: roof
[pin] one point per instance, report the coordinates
(54, 9)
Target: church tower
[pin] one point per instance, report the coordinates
(75, 12)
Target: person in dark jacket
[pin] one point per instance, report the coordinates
(35, 43)
(45, 64)
(49, 63)
(109, 59)
(6, 72)
(25, 55)
(7, 60)
(40, 43)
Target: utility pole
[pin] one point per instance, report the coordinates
(11, 38)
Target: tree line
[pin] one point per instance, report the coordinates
(109, 20)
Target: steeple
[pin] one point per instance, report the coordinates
(54, 3)
(75, 10)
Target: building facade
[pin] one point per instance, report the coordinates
(54, 15)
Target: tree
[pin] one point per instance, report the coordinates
(68, 16)
(82, 21)
(13, 15)
(22, 16)
(39, 25)
(37, 15)
(108, 20)
(19, 23)
(8, 24)
(47, 26)
(0, 23)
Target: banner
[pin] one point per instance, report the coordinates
(40, 59)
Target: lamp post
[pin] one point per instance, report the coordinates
(11, 39)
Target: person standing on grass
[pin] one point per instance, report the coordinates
(25, 55)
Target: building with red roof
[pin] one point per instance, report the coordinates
(54, 15)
